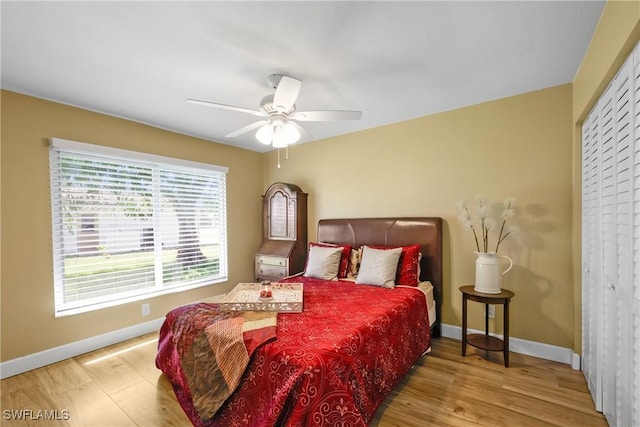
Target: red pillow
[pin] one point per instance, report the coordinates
(344, 258)
(408, 265)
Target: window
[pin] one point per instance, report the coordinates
(128, 226)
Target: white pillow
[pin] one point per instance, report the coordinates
(378, 267)
(323, 263)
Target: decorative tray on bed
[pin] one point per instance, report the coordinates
(285, 297)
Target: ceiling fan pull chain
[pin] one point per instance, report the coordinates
(286, 152)
(278, 158)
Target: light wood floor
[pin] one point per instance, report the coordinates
(120, 386)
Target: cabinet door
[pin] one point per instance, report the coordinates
(281, 216)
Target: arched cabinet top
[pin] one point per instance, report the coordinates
(291, 189)
(281, 212)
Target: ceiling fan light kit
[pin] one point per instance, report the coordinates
(279, 128)
(265, 134)
(278, 132)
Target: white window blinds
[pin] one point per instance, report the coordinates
(128, 225)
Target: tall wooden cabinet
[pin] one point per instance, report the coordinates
(283, 250)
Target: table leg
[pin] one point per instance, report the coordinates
(464, 324)
(506, 333)
(486, 319)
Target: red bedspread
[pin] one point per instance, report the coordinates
(333, 364)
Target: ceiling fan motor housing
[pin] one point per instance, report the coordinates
(267, 106)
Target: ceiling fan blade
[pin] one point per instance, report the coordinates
(246, 128)
(304, 134)
(227, 107)
(286, 93)
(327, 115)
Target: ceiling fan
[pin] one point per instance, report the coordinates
(279, 126)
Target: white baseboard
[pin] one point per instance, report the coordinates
(518, 345)
(576, 361)
(56, 354)
(47, 357)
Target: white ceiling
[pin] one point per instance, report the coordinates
(392, 60)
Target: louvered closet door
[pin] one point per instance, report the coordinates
(608, 248)
(635, 324)
(611, 247)
(591, 282)
(623, 285)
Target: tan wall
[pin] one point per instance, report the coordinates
(28, 322)
(617, 33)
(518, 146)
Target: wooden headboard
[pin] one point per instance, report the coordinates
(426, 232)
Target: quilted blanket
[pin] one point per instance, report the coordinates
(212, 351)
(333, 364)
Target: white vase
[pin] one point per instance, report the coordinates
(488, 272)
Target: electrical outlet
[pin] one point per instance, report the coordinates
(492, 311)
(146, 309)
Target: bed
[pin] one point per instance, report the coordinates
(332, 364)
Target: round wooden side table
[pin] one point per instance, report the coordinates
(486, 341)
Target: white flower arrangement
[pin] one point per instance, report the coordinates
(487, 222)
